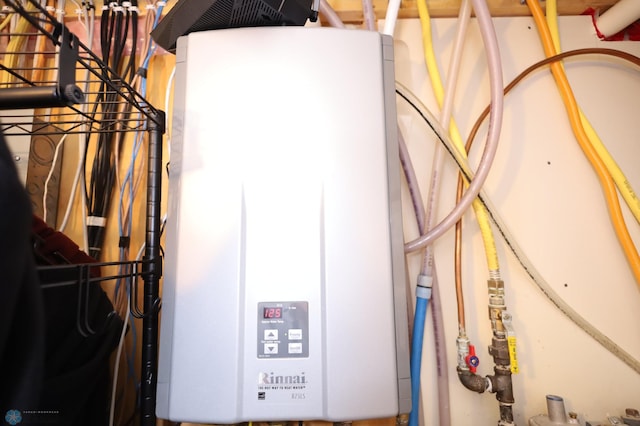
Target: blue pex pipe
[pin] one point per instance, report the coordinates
(423, 295)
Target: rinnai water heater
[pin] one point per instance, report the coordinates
(284, 291)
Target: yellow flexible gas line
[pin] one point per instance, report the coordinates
(481, 213)
(624, 187)
(5, 22)
(606, 181)
(15, 45)
(432, 67)
(551, 9)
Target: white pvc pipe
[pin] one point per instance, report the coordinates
(391, 17)
(618, 17)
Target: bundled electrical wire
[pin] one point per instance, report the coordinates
(118, 24)
(103, 152)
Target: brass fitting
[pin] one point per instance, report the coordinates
(496, 305)
(402, 420)
(501, 380)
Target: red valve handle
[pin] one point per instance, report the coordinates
(472, 360)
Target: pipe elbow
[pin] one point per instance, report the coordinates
(472, 381)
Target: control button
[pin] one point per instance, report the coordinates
(295, 348)
(270, 348)
(271, 334)
(295, 334)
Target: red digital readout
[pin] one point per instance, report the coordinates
(272, 312)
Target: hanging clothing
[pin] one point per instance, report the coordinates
(21, 307)
(49, 372)
(76, 375)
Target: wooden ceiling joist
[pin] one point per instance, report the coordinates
(350, 11)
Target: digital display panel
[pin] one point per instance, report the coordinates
(283, 329)
(269, 312)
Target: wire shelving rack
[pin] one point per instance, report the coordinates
(54, 84)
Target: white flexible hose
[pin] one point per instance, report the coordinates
(391, 17)
(45, 193)
(74, 186)
(116, 367)
(495, 123)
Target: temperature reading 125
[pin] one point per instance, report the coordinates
(272, 312)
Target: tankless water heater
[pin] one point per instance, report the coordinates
(284, 291)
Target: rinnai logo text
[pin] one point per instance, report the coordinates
(271, 379)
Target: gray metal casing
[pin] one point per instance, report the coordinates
(284, 186)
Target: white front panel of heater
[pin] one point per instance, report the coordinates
(279, 194)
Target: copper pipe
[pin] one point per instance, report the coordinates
(472, 135)
(458, 264)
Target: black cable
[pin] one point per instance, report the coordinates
(117, 37)
(134, 40)
(129, 71)
(116, 22)
(436, 132)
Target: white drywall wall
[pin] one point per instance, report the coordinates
(550, 197)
